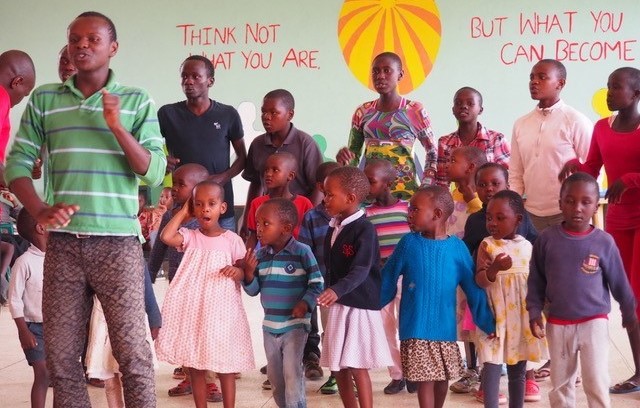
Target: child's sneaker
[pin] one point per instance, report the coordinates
(312, 369)
(531, 391)
(213, 393)
(266, 385)
(465, 384)
(183, 388)
(330, 387)
(502, 399)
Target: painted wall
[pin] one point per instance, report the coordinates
(321, 51)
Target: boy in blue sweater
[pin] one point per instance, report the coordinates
(289, 281)
(433, 265)
(575, 266)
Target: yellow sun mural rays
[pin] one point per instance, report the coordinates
(410, 28)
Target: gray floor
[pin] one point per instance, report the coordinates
(16, 375)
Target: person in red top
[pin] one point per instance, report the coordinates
(616, 145)
(17, 79)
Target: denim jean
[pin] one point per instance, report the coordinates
(284, 367)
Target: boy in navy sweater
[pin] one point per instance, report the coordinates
(574, 266)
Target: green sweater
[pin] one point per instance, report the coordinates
(86, 164)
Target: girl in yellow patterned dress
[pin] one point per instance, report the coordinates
(503, 269)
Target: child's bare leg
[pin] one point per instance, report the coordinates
(440, 389)
(228, 388)
(198, 387)
(40, 384)
(426, 394)
(363, 384)
(634, 340)
(345, 387)
(113, 392)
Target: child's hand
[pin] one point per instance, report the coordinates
(250, 265)
(154, 332)
(327, 298)
(186, 210)
(36, 172)
(57, 216)
(615, 191)
(232, 272)
(172, 163)
(537, 327)
(111, 109)
(27, 339)
(300, 309)
(468, 191)
(344, 156)
(502, 262)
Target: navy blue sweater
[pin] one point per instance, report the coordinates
(353, 271)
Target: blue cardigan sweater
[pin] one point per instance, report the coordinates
(432, 271)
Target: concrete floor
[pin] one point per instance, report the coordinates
(16, 375)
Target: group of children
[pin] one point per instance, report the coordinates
(385, 271)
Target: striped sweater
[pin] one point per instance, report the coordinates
(283, 279)
(87, 166)
(391, 225)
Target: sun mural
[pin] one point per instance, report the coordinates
(410, 28)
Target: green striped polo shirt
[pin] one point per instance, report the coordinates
(86, 164)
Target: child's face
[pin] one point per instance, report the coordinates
(269, 229)
(466, 106)
(142, 201)
(379, 185)
(422, 217)
(165, 199)
(502, 221)
(620, 92)
(65, 68)
(195, 79)
(90, 46)
(337, 200)
(488, 182)
(208, 204)
(275, 115)
(544, 82)
(578, 203)
(183, 184)
(385, 74)
(278, 172)
(457, 167)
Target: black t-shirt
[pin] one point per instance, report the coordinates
(204, 139)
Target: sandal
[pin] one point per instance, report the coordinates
(542, 373)
(625, 387)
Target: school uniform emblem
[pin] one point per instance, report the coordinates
(590, 264)
(289, 268)
(348, 250)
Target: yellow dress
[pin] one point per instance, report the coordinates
(514, 341)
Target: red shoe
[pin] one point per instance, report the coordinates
(213, 393)
(531, 391)
(184, 388)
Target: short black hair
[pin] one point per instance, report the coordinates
(352, 180)
(324, 169)
(285, 210)
(113, 36)
(632, 73)
(26, 225)
(390, 173)
(440, 196)
(284, 96)
(195, 170)
(289, 158)
(208, 65)
(470, 89)
(580, 177)
(491, 165)
(558, 66)
(209, 183)
(473, 154)
(514, 200)
(392, 55)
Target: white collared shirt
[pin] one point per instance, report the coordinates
(339, 225)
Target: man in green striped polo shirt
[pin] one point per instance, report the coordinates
(102, 138)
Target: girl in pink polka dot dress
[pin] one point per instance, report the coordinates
(205, 324)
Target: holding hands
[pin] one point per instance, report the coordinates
(327, 298)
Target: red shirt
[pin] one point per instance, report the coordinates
(5, 122)
(302, 204)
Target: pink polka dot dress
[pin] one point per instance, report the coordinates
(205, 325)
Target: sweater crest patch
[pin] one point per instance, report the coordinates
(590, 264)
